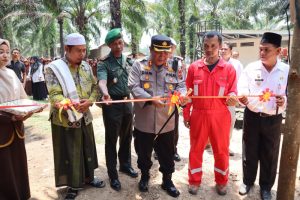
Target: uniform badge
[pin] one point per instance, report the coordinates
(147, 68)
(170, 69)
(147, 77)
(171, 87)
(258, 80)
(146, 85)
(115, 80)
(171, 80)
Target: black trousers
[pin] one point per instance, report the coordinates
(261, 141)
(163, 146)
(176, 131)
(117, 120)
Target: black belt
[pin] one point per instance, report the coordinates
(262, 114)
(117, 97)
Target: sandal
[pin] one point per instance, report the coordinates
(71, 194)
(97, 183)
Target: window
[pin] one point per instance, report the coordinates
(247, 44)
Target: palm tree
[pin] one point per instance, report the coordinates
(181, 9)
(267, 13)
(236, 14)
(86, 15)
(134, 21)
(115, 11)
(41, 18)
(57, 12)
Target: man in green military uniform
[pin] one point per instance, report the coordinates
(74, 148)
(112, 73)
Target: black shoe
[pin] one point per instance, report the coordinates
(96, 182)
(231, 153)
(170, 188)
(143, 185)
(265, 195)
(129, 171)
(71, 194)
(115, 184)
(177, 157)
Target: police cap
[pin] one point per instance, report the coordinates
(161, 43)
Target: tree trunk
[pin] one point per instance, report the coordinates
(61, 36)
(291, 139)
(181, 7)
(192, 36)
(52, 51)
(134, 46)
(1, 31)
(115, 10)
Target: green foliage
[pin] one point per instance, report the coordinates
(32, 25)
(134, 20)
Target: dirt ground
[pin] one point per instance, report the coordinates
(41, 168)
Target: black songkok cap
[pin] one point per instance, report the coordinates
(161, 43)
(272, 38)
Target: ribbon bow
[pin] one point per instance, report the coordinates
(174, 101)
(65, 104)
(266, 96)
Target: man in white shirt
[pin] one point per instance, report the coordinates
(235, 55)
(226, 53)
(263, 118)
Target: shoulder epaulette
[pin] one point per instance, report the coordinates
(178, 57)
(142, 59)
(84, 63)
(104, 57)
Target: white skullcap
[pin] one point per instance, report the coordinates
(75, 39)
(173, 42)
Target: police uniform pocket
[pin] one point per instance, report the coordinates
(112, 73)
(170, 84)
(147, 82)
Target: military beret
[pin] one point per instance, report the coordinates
(161, 43)
(112, 35)
(75, 39)
(272, 38)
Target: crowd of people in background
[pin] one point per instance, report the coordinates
(30, 71)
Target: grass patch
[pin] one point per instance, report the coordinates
(38, 124)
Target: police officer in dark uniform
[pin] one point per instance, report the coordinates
(153, 77)
(177, 65)
(112, 73)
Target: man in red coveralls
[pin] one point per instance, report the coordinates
(210, 117)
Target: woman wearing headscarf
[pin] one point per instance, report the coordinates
(39, 90)
(14, 181)
(28, 85)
